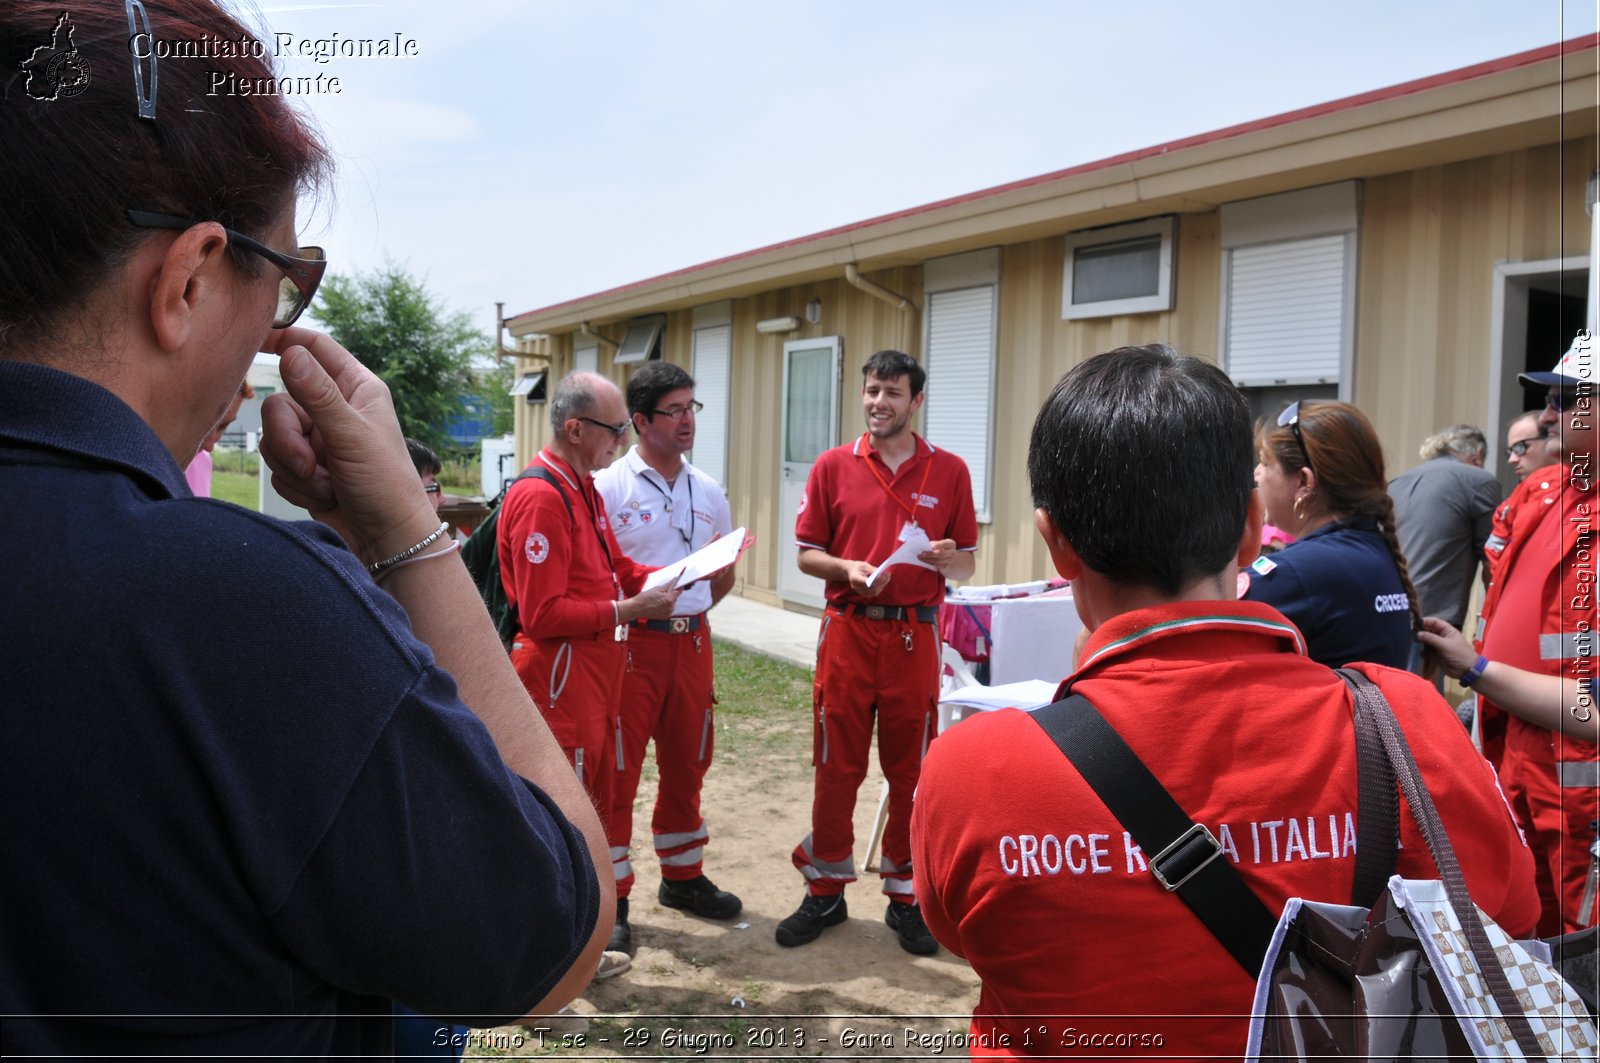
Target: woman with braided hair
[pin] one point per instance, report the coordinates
(1344, 581)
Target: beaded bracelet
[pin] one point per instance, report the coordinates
(410, 551)
(1475, 673)
(451, 547)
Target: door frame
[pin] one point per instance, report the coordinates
(792, 584)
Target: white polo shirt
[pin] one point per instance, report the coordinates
(657, 524)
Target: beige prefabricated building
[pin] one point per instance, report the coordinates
(1409, 250)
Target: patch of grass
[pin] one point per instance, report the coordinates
(242, 489)
(763, 705)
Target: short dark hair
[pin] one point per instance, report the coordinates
(1144, 459)
(890, 365)
(424, 457)
(653, 380)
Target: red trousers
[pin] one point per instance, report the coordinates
(883, 670)
(577, 685)
(666, 698)
(1552, 789)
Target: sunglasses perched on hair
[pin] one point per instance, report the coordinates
(300, 275)
(1520, 447)
(1290, 419)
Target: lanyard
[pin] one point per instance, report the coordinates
(911, 511)
(688, 540)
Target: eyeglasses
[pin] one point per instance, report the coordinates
(300, 275)
(1560, 401)
(1290, 418)
(431, 489)
(677, 413)
(1520, 447)
(617, 430)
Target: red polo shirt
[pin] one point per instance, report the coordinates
(854, 508)
(1022, 869)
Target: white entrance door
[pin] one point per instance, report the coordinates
(810, 425)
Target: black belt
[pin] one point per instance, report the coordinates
(925, 614)
(678, 625)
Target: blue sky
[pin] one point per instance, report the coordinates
(533, 152)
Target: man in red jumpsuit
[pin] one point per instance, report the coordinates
(1140, 463)
(1539, 615)
(878, 653)
(573, 589)
(664, 509)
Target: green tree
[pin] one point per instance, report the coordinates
(391, 323)
(495, 387)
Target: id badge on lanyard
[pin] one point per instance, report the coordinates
(907, 530)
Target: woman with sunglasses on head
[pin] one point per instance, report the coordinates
(1343, 581)
(262, 778)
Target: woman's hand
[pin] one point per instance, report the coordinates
(335, 448)
(1456, 654)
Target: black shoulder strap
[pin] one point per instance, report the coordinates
(1183, 855)
(539, 472)
(1187, 859)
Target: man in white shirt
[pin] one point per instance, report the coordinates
(662, 510)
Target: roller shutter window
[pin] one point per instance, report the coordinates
(1286, 311)
(960, 405)
(586, 359)
(712, 348)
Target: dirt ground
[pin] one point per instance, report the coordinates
(728, 990)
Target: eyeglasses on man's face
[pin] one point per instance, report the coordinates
(1290, 419)
(431, 489)
(618, 430)
(301, 275)
(1520, 447)
(678, 413)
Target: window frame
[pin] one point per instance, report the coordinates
(1161, 300)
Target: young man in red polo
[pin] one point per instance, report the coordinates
(878, 653)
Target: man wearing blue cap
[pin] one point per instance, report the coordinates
(1539, 615)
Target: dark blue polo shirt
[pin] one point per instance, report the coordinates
(240, 806)
(1340, 586)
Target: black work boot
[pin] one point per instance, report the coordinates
(906, 921)
(700, 896)
(622, 933)
(809, 920)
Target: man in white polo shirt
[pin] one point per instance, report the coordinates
(663, 509)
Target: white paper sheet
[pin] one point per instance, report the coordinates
(1028, 694)
(906, 554)
(712, 557)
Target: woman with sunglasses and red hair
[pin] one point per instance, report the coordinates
(1343, 581)
(261, 778)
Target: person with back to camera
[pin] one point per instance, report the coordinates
(1343, 581)
(1020, 866)
(294, 777)
(1443, 509)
